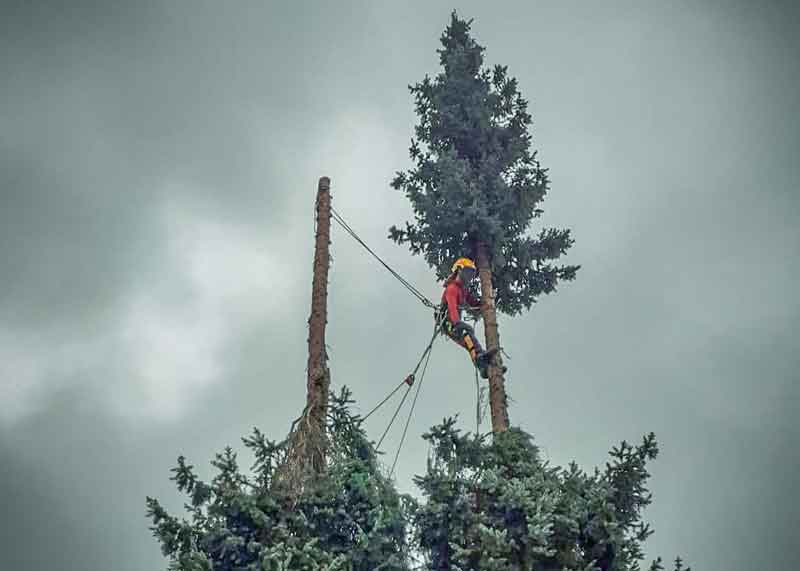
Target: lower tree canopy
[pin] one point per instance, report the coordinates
(485, 504)
(351, 519)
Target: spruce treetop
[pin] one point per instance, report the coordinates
(475, 178)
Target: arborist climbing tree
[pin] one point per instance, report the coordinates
(476, 187)
(455, 296)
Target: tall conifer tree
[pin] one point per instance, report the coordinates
(476, 187)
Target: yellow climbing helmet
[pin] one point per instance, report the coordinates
(463, 263)
(467, 268)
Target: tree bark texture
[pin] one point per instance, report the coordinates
(318, 381)
(498, 403)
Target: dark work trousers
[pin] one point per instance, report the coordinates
(463, 334)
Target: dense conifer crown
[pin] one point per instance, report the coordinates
(475, 177)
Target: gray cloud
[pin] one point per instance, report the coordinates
(158, 164)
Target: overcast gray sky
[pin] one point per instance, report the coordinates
(158, 164)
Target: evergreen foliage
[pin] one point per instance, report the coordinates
(475, 178)
(349, 519)
(494, 505)
(488, 504)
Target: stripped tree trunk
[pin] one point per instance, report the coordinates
(307, 439)
(318, 380)
(498, 402)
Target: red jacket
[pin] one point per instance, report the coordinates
(455, 295)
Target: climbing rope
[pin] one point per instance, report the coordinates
(394, 416)
(425, 356)
(410, 413)
(408, 285)
(477, 404)
(409, 382)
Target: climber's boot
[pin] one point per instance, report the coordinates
(482, 361)
(486, 358)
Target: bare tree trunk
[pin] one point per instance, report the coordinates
(307, 440)
(498, 402)
(318, 381)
